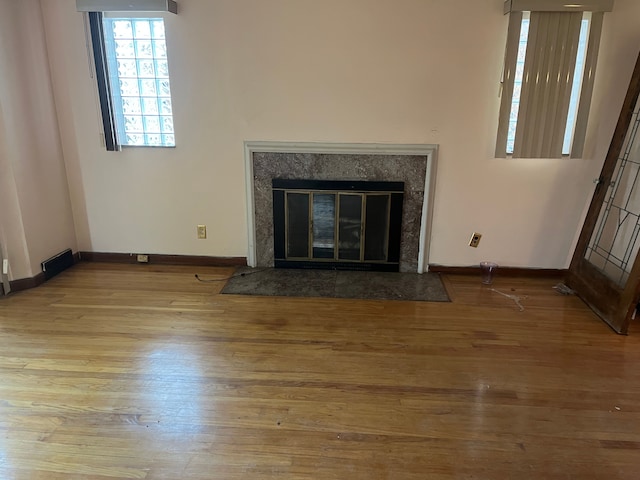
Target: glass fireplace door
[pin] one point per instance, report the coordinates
(323, 225)
(297, 225)
(376, 227)
(362, 222)
(337, 224)
(350, 227)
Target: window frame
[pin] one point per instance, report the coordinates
(114, 130)
(103, 81)
(585, 89)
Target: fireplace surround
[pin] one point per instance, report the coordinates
(414, 165)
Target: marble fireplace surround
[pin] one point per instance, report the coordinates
(415, 165)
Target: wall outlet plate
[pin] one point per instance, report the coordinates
(475, 239)
(202, 232)
(142, 258)
(5, 266)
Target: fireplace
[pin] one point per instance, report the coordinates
(346, 225)
(413, 165)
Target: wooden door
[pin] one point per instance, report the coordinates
(605, 271)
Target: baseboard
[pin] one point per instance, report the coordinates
(185, 260)
(32, 282)
(157, 259)
(27, 283)
(502, 271)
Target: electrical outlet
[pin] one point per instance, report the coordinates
(5, 266)
(202, 232)
(475, 239)
(143, 258)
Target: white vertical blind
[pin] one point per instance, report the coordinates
(546, 86)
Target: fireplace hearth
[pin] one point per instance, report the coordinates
(334, 224)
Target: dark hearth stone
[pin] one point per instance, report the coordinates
(425, 287)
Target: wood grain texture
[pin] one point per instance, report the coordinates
(114, 371)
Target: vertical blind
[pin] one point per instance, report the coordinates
(546, 84)
(552, 48)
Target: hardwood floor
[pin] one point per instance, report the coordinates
(140, 371)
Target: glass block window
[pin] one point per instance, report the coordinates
(138, 72)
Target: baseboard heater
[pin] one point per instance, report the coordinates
(58, 263)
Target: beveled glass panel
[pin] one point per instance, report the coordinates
(297, 225)
(324, 225)
(615, 241)
(350, 226)
(376, 227)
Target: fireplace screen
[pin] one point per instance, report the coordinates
(337, 224)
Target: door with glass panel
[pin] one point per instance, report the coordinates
(605, 271)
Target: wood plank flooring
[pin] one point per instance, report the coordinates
(142, 372)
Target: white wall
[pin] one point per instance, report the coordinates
(12, 239)
(35, 219)
(390, 71)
